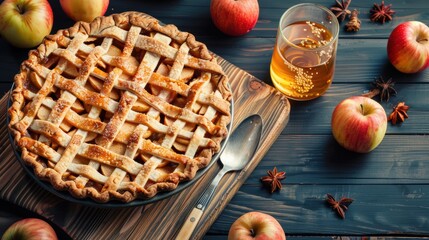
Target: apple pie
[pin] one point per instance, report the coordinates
(121, 108)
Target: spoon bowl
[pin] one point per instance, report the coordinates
(244, 141)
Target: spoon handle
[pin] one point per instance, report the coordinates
(195, 216)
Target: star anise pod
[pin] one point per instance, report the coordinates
(399, 113)
(341, 206)
(341, 9)
(354, 23)
(381, 13)
(273, 179)
(383, 88)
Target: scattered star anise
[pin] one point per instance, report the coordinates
(399, 113)
(273, 179)
(383, 88)
(341, 206)
(354, 23)
(381, 13)
(341, 9)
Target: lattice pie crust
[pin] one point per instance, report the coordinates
(121, 108)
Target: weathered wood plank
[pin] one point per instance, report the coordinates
(318, 159)
(301, 209)
(317, 113)
(197, 17)
(389, 185)
(278, 4)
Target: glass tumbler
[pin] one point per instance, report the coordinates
(303, 62)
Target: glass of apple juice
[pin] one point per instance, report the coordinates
(303, 62)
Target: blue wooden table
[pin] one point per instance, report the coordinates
(390, 185)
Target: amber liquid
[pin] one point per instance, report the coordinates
(304, 69)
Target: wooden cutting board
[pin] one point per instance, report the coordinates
(163, 219)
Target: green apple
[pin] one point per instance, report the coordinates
(24, 23)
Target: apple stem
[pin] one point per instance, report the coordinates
(422, 40)
(361, 108)
(20, 8)
(252, 233)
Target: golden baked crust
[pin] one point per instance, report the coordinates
(120, 108)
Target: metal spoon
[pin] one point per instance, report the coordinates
(239, 150)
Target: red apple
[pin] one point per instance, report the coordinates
(234, 17)
(408, 47)
(359, 124)
(24, 23)
(256, 225)
(30, 229)
(84, 10)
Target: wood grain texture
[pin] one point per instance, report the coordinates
(317, 114)
(250, 96)
(305, 212)
(389, 185)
